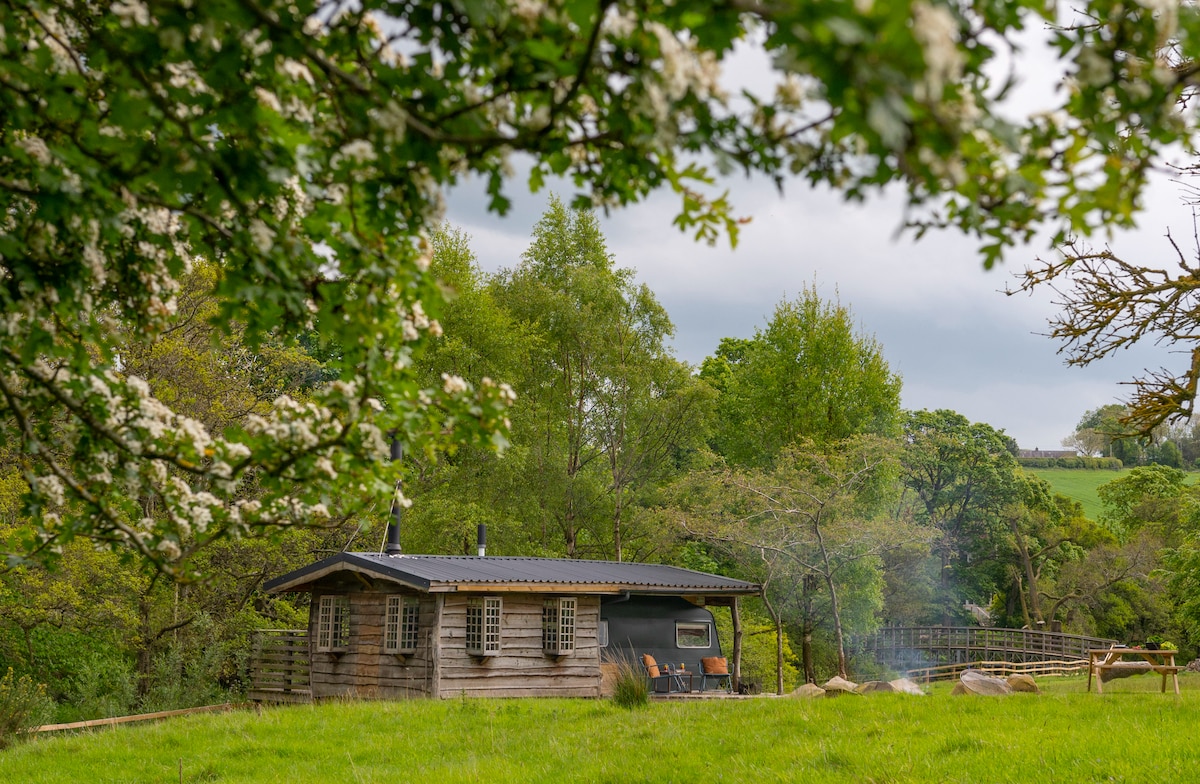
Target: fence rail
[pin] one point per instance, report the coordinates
(999, 669)
(279, 668)
(915, 648)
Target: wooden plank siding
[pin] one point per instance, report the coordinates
(364, 670)
(279, 667)
(441, 667)
(521, 669)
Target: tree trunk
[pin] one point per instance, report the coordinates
(834, 608)
(1030, 593)
(778, 643)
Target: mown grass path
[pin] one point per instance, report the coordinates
(1129, 735)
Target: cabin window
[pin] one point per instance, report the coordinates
(333, 623)
(483, 626)
(602, 634)
(693, 635)
(400, 626)
(558, 626)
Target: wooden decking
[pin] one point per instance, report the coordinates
(279, 668)
(912, 648)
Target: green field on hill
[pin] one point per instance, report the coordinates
(1132, 733)
(1079, 484)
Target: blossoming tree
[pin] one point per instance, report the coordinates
(302, 147)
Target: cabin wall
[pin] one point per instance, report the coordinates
(521, 669)
(364, 670)
(441, 666)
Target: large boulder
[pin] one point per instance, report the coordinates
(838, 685)
(874, 687)
(974, 682)
(1023, 683)
(906, 686)
(807, 691)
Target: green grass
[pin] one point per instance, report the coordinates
(1079, 484)
(1065, 734)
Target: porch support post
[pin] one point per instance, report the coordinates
(735, 612)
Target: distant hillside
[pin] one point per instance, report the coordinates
(1079, 484)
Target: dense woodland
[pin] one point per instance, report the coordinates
(785, 458)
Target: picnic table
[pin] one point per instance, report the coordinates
(1102, 660)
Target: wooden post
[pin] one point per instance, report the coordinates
(435, 644)
(737, 645)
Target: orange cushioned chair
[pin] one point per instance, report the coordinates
(660, 680)
(715, 668)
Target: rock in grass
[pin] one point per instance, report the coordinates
(906, 686)
(974, 682)
(808, 691)
(1023, 683)
(838, 685)
(874, 687)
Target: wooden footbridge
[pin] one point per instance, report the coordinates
(911, 648)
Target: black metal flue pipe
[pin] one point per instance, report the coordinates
(393, 530)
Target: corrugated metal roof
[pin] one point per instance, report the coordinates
(431, 572)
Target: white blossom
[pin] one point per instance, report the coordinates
(936, 30)
(262, 235)
(35, 148)
(131, 12)
(169, 549)
(453, 385)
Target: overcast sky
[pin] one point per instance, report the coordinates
(945, 327)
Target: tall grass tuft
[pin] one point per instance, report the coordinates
(23, 706)
(630, 687)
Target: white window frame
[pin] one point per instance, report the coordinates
(333, 623)
(602, 633)
(401, 624)
(558, 625)
(483, 625)
(695, 627)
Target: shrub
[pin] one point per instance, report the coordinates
(102, 685)
(23, 706)
(631, 688)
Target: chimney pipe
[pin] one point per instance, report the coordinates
(393, 529)
(481, 537)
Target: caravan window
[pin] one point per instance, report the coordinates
(693, 635)
(602, 634)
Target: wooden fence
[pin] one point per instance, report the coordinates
(279, 667)
(115, 720)
(1001, 669)
(913, 648)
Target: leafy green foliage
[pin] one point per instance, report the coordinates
(23, 706)
(303, 149)
(808, 375)
(962, 475)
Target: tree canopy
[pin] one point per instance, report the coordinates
(808, 375)
(303, 148)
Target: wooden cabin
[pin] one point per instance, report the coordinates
(396, 626)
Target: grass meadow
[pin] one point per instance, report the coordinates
(1130, 734)
(1079, 485)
